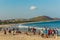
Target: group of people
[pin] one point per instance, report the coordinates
(11, 31)
(50, 32)
(32, 30)
(46, 32)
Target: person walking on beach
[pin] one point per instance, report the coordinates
(34, 30)
(5, 31)
(9, 31)
(39, 32)
(46, 33)
(42, 32)
(29, 29)
(55, 32)
(13, 31)
(50, 31)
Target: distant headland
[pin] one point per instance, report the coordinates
(34, 19)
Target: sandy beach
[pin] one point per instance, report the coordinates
(7, 25)
(22, 36)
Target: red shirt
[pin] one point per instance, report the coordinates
(49, 32)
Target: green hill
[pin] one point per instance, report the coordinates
(41, 18)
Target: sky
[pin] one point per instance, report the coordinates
(10, 9)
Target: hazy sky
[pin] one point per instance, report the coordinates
(29, 8)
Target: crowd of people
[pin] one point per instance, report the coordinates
(46, 32)
(11, 31)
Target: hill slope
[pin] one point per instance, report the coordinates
(41, 18)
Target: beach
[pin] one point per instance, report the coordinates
(24, 37)
(7, 25)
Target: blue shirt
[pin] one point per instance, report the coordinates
(45, 31)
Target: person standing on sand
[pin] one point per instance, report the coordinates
(42, 34)
(39, 32)
(34, 30)
(46, 33)
(50, 31)
(5, 31)
(55, 32)
(29, 29)
(13, 31)
(9, 31)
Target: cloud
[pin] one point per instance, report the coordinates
(33, 7)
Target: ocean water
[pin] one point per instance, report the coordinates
(48, 24)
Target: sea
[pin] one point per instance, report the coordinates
(48, 24)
